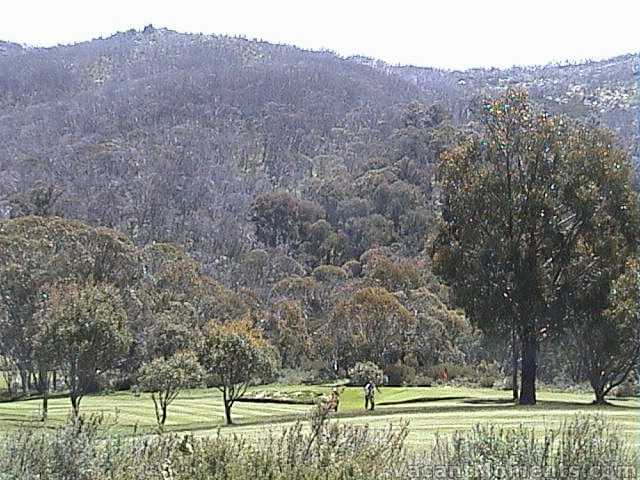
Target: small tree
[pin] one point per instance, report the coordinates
(83, 332)
(371, 324)
(363, 372)
(605, 338)
(165, 378)
(235, 355)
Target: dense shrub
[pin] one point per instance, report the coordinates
(422, 380)
(584, 447)
(353, 268)
(319, 449)
(71, 452)
(400, 374)
(362, 372)
(329, 274)
(487, 381)
(297, 376)
(453, 371)
(488, 374)
(325, 451)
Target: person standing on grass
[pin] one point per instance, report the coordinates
(334, 399)
(370, 394)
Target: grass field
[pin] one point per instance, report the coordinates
(429, 411)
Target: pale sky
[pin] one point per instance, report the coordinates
(443, 33)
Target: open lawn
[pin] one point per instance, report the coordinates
(429, 411)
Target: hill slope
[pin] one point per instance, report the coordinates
(171, 137)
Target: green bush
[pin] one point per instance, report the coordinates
(329, 274)
(400, 374)
(576, 449)
(319, 449)
(453, 370)
(296, 376)
(488, 369)
(72, 452)
(362, 372)
(422, 380)
(353, 268)
(487, 381)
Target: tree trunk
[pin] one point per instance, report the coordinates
(600, 400)
(24, 381)
(44, 380)
(227, 413)
(529, 369)
(75, 404)
(164, 415)
(598, 389)
(514, 378)
(8, 380)
(227, 408)
(157, 409)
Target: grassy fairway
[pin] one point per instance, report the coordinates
(430, 411)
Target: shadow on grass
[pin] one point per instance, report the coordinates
(420, 400)
(489, 401)
(24, 398)
(280, 401)
(555, 404)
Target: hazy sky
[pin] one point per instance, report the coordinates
(443, 33)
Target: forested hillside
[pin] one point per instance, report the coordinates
(602, 92)
(302, 181)
(170, 137)
(167, 136)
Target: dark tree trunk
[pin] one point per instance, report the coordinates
(598, 389)
(75, 403)
(600, 397)
(8, 379)
(514, 366)
(44, 384)
(227, 413)
(529, 369)
(24, 380)
(164, 415)
(227, 408)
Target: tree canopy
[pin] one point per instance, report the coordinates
(519, 203)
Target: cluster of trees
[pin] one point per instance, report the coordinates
(79, 302)
(518, 240)
(344, 212)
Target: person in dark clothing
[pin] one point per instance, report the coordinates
(370, 395)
